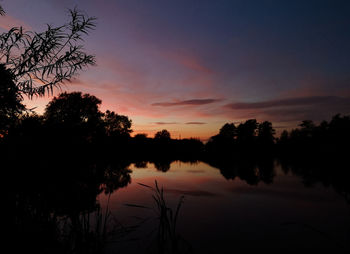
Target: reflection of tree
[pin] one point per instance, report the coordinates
(162, 165)
(266, 170)
(116, 177)
(141, 164)
(48, 194)
(249, 170)
(330, 172)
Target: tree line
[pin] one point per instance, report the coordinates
(75, 118)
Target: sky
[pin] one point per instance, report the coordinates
(190, 66)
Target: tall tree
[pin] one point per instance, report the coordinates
(266, 134)
(73, 109)
(75, 114)
(228, 131)
(246, 132)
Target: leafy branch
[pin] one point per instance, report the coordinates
(39, 62)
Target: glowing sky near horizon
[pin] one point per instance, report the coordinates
(191, 66)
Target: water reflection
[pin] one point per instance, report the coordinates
(256, 204)
(76, 205)
(251, 171)
(55, 204)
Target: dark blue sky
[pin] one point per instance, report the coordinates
(169, 63)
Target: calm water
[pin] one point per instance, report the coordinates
(221, 214)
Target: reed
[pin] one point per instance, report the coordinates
(89, 232)
(167, 240)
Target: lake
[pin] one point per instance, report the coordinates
(231, 209)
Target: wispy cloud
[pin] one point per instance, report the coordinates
(199, 123)
(164, 123)
(311, 100)
(193, 102)
(291, 109)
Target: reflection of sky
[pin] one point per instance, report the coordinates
(221, 212)
(217, 53)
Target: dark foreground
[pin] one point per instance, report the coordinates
(83, 200)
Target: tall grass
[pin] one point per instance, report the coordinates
(168, 240)
(89, 232)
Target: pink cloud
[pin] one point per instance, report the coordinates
(189, 61)
(7, 22)
(192, 102)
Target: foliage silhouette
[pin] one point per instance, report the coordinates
(162, 165)
(246, 133)
(10, 101)
(228, 131)
(73, 109)
(249, 137)
(328, 138)
(162, 135)
(41, 61)
(266, 134)
(2, 12)
(117, 124)
(75, 115)
(252, 170)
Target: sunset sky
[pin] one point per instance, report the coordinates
(189, 66)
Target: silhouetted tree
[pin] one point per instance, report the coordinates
(141, 136)
(266, 135)
(162, 135)
(116, 125)
(41, 61)
(223, 143)
(307, 128)
(249, 138)
(311, 139)
(228, 131)
(339, 128)
(246, 132)
(28, 130)
(75, 114)
(284, 138)
(10, 101)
